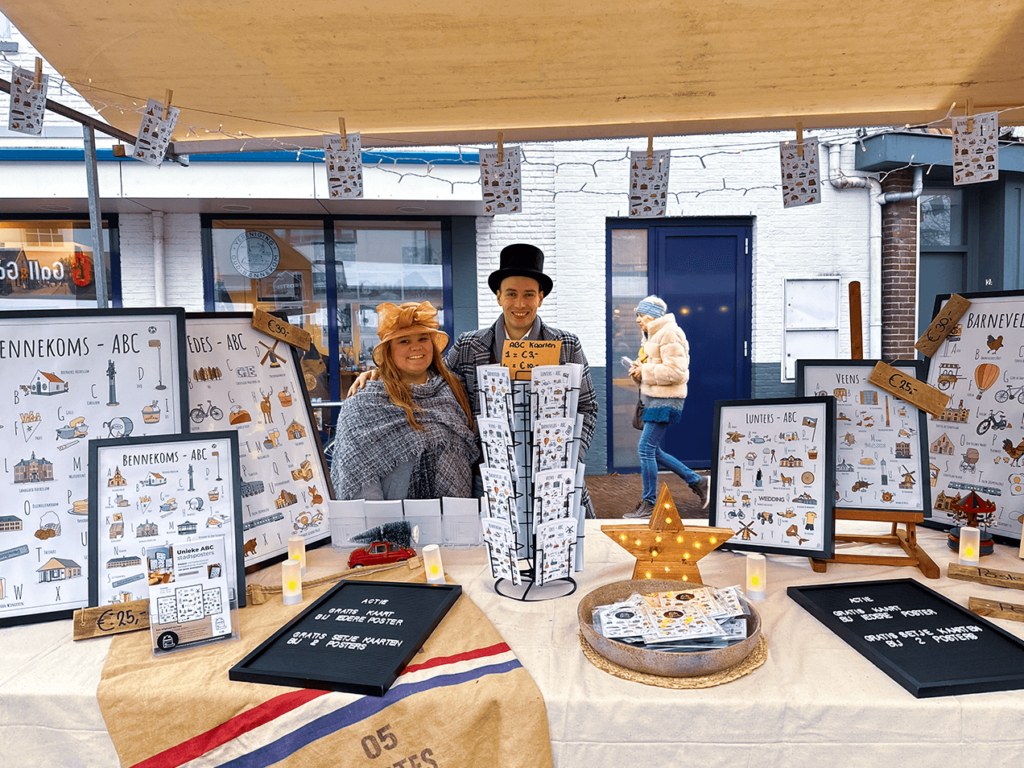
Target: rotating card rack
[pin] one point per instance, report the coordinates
(528, 558)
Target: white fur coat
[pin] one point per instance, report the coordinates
(668, 359)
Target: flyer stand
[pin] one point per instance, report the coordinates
(526, 554)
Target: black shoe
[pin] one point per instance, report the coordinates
(700, 488)
(642, 512)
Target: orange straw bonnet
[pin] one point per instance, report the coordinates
(395, 321)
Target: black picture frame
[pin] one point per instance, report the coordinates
(264, 478)
(232, 464)
(370, 670)
(129, 355)
(740, 514)
(993, 661)
(953, 370)
(892, 437)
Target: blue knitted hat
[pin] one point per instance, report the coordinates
(652, 306)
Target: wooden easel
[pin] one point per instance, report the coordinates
(906, 540)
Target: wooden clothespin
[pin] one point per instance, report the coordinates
(501, 147)
(800, 140)
(37, 81)
(344, 134)
(970, 120)
(650, 151)
(167, 102)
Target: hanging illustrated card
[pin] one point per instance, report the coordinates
(162, 491)
(800, 176)
(344, 166)
(977, 443)
(28, 102)
(976, 152)
(648, 187)
(881, 441)
(552, 443)
(495, 392)
(773, 478)
(501, 182)
(155, 133)
(67, 376)
(501, 549)
(500, 493)
(190, 595)
(243, 379)
(552, 494)
(498, 449)
(556, 541)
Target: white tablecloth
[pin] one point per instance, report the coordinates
(815, 701)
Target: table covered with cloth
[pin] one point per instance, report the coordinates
(814, 702)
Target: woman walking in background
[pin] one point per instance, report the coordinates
(662, 370)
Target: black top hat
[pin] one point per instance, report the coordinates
(521, 260)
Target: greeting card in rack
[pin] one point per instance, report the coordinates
(66, 377)
(160, 492)
(243, 379)
(773, 478)
(977, 443)
(881, 442)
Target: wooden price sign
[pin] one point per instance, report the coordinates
(942, 325)
(280, 329)
(521, 357)
(111, 619)
(917, 393)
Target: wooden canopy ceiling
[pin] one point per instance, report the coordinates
(458, 71)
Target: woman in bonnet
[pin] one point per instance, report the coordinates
(408, 435)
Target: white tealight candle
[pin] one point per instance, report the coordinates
(757, 577)
(432, 564)
(970, 545)
(291, 581)
(297, 551)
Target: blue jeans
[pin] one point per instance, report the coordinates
(651, 456)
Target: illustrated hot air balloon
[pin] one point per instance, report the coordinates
(985, 375)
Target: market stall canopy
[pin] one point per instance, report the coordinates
(458, 71)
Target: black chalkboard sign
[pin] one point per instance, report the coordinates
(356, 638)
(922, 640)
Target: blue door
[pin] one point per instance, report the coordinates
(702, 269)
(703, 274)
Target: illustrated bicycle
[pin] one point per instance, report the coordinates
(198, 414)
(1010, 392)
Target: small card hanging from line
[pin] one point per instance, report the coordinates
(344, 166)
(155, 133)
(501, 182)
(648, 187)
(976, 153)
(28, 103)
(800, 178)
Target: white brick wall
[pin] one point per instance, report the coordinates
(183, 262)
(739, 176)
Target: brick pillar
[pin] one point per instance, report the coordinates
(899, 269)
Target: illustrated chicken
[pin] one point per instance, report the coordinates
(994, 343)
(1016, 452)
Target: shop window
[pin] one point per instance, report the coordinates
(285, 266)
(49, 264)
(811, 327)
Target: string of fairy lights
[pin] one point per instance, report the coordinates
(468, 155)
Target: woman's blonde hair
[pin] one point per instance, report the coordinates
(400, 392)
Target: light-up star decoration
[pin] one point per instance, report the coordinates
(667, 549)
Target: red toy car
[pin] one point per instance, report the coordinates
(378, 553)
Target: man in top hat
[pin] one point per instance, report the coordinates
(520, 286)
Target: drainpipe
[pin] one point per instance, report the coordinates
(159, 281)
(876, 199)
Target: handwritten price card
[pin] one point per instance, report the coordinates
(521, 357)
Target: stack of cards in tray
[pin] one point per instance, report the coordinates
(694, 619)
(530, 435)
